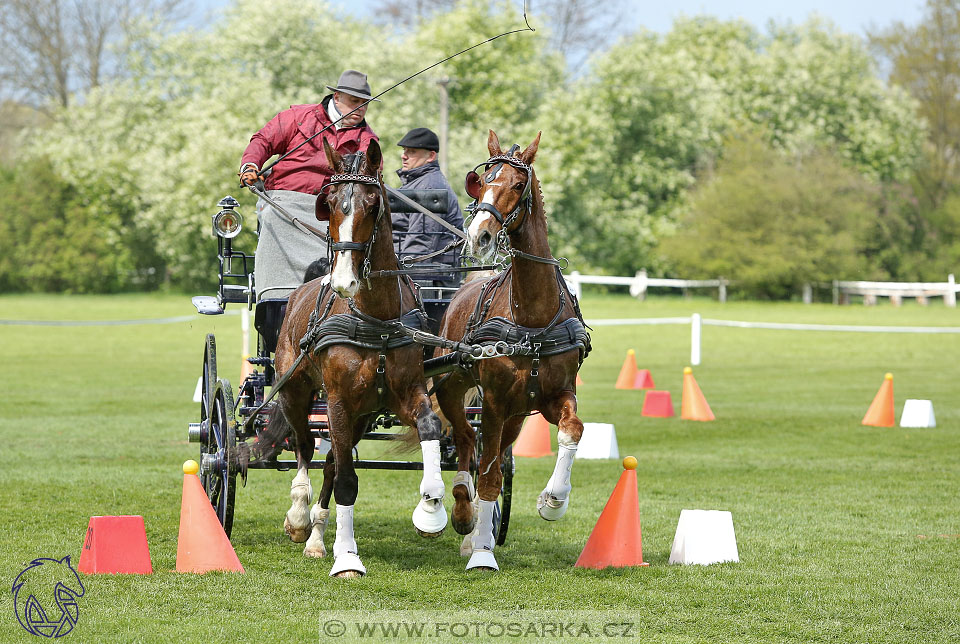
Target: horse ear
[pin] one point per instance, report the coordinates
(528, 155)
(493, 144)
(374, 158)
(333, 157)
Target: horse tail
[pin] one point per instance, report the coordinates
(272, 440)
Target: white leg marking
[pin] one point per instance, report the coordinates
(482, 539)
(552, 502)
(430, 517)
(297, 522)
(318, 521)
(345, 546)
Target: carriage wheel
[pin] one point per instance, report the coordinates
(509, 467)
(218, 470)
(209, 376)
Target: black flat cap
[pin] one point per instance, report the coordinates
(420, 137)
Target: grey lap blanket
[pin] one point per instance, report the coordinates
(284, 252)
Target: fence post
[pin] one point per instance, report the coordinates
(723, 290)
(695, 327)
(950, 296)
(639, 287)
(574, 281)
(807, 293)
(836, 292)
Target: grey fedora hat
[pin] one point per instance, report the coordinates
(354, 83)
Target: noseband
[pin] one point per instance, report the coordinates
(350, 178)
(492, 167)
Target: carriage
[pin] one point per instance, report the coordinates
(341, 349)
(228, 423)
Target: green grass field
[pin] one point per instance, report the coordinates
(846, 533)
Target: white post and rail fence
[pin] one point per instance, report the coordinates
(841, 289)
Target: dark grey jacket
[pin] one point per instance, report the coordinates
(423, 234)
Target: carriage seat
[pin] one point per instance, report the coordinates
(433, 200)
(267, 319)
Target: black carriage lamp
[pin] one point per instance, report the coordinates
(227, 223)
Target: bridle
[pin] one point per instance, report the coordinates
(491, 169)
(524, 207)
(354, 176)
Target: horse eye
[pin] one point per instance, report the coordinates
(520, 185)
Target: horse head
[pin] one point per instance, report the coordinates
(502, 191)
(354, 196)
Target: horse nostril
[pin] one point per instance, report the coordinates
(484, 239)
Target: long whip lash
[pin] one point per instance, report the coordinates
(263, 172)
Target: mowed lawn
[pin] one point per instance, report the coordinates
(846, 533)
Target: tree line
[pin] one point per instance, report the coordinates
(772, 158)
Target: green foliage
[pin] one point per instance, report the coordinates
(634, 138)
(622, 146)
(59, 239)
(775, 222)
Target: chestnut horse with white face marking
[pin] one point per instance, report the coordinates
(341, 336)
(536, 320)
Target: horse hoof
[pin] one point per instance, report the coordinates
(464, 515)
(315, 551)
(347, 566)
(483, 560)
(430, 518)
(427, 535)
(297, 535)
(551, 508)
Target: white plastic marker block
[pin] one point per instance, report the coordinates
(198, 392)
(599, 440)
(704, 537)
(917, 413)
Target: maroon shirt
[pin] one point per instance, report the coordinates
(306, 170)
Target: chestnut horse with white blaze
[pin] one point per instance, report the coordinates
(341, 335)
(535, 321)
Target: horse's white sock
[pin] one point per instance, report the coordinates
(559, 484)
(344, 542)
(431, 486)
(482, 537)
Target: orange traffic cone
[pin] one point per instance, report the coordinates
(693, 406)
(643, 380)
(880, 413)
(628, 372)
(616, 539)
(115, 545)
(202, 545)
(534, 439)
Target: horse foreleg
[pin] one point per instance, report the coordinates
(320, 513)
(429, 517)
(346, 562)
(292, 409)
(464, 515)
(555, 497)
(489, 484)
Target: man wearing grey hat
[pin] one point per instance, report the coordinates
(416, 234)
(283, 251)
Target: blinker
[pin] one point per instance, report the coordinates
(473, 184)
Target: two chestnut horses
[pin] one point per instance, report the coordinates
(341, 336)
(528, 309)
